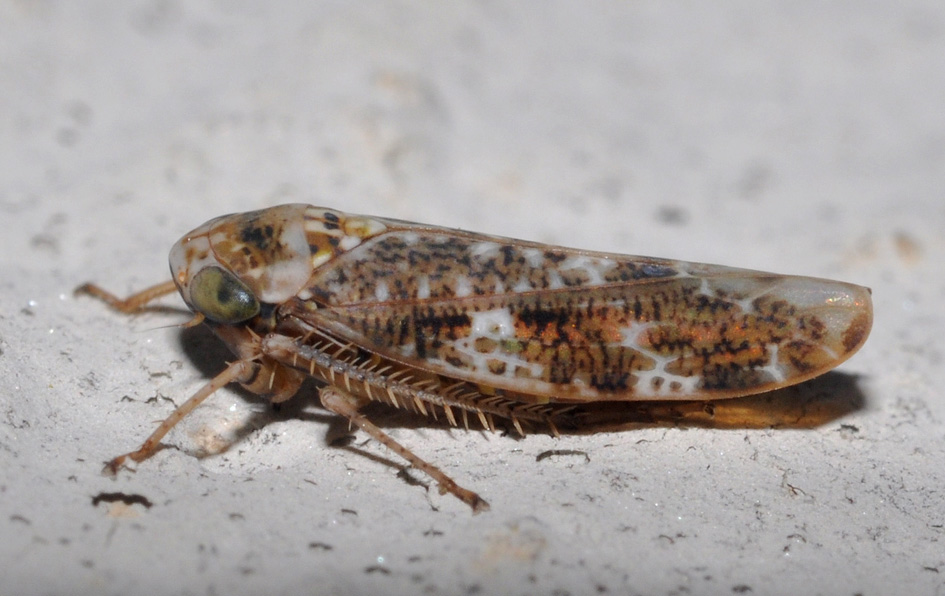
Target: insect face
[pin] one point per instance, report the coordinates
(229, 267)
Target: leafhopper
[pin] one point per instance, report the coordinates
(472, 328)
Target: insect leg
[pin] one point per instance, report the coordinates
(237, 371)
(132, 303)
(344, 404)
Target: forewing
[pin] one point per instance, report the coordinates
(558, 324)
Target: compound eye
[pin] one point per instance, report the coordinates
(221, 297)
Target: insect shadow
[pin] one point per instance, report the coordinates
(809, 405)
(812, 404)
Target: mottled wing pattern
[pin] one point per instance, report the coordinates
(558, 324)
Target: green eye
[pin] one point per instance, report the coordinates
(221, 297)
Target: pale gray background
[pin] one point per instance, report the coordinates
(798, 137)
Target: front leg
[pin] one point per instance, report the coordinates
(344, 404)
(132, 303)
(240, 371)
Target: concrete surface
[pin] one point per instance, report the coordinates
(797, 137)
